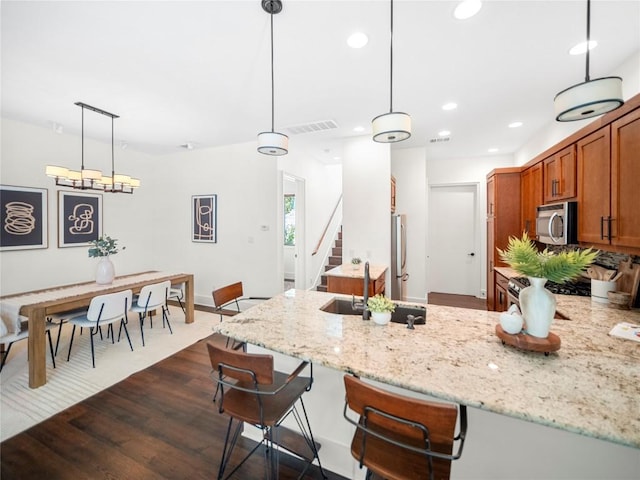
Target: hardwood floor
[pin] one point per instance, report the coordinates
(462, 301)
(157, 424)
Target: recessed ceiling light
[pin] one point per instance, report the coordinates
(357, 40)
(492, 150)
(467, 9)
(581, 47)
(515, 124)
(450, 106)
(358, 129)
(444, 133)
(336, 158)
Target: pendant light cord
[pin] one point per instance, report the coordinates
(586, 77)
(82, 156)
(272, 82)
(113, 168)
(391, 65)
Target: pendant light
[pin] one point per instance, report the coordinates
(393, 126)
(88, 179)
(590, 98)
(272, 143)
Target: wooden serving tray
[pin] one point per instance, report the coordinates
(527, 342)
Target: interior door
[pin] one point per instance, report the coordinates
(454, 256)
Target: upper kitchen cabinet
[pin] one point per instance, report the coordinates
(594, 192)
(560, 175)
(503, 220)
(608, 187)
(531, 196)
(625, 180)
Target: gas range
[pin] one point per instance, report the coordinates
(582, 289)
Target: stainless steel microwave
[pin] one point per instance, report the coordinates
(556, 224)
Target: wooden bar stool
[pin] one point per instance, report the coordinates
(252, 391)
(402, 438)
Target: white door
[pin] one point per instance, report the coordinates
(453, 240)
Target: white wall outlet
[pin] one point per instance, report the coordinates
(483, 293)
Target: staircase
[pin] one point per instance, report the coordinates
(334, 260)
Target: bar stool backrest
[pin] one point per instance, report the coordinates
(391, 425)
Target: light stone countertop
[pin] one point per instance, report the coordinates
(590, 386)
(356, 271)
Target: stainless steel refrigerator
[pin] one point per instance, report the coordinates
(399, 273)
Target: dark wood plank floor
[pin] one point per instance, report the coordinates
(462, 301)
(157, 424)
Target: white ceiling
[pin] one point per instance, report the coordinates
(198, 71)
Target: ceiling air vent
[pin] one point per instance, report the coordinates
(440, 140)
(312, 127)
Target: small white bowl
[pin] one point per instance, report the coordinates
(511, 323)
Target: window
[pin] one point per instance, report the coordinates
(290, 220)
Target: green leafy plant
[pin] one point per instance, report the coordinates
(380, 303)
(356, 260)
(522, 255)
(104, 246)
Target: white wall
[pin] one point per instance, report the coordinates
(555, 132)
(323, 185)
(155, 222)
(366, 185)
(408, 166)
(26, 150)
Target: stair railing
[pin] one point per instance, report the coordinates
(326, 241)
(326, 227)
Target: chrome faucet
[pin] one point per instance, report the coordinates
(365, 296)
(365, 293)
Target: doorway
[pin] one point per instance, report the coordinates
(453, 240)
(293, 189)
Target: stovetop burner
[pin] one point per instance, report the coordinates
(582, 289)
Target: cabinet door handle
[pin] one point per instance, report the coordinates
(553, 188)
(601, 228)
(609, 228)
(526, 225)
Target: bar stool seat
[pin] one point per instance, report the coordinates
(252, 391)
(402, 438)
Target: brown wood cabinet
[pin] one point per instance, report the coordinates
(502, 302)
(594, 192)
(503, 220)
(609, 186)
(560, 175)
(625, 180)
(531, 188)
(353, 286)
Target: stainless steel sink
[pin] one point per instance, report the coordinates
(343, 306)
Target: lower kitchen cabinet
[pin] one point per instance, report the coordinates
(501, 300)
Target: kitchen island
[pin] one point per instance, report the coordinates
(590, 386)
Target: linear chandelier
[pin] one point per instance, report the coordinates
(88, 179)
(272, 143)
(590, 98)
(393, 126)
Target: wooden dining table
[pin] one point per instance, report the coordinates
(37, 305)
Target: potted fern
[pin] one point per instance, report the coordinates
(381, 308)
(538, 305)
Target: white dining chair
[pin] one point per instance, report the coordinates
(104, 310)
(59, 319)
(14, 337)
(151, 298)
(176, 292)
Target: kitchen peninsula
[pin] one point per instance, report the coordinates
(349, 279)
(590, 386)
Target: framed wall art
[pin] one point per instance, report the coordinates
(79, 218)
(24, 218)
(204, 218)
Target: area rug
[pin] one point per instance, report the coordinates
(71, 382)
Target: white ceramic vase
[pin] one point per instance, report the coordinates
(381, 318)
(538, 307)
(105, 273)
